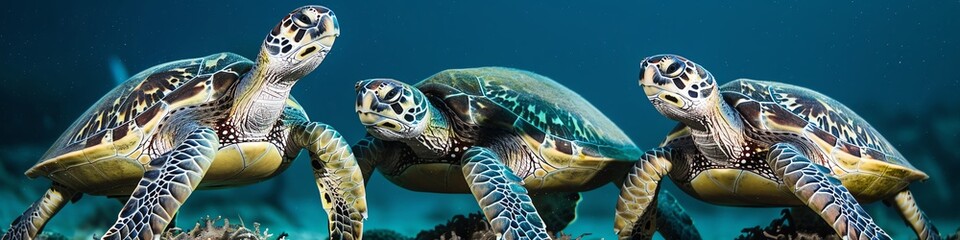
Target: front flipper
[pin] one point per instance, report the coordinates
(636, 218)
(557, 209)
(166, 184)
(823, 193)
(338, 176)
(501, 196)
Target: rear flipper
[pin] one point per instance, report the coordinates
(31, 222)
(672, 220)
(557, 209)
(914, 217)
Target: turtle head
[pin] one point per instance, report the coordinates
(678, 88)
(299, 42)
(392, 110)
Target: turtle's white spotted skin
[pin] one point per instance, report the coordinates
(208, 122)
(759, 143)
(502, 134)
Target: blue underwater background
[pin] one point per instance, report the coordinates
(894, 62)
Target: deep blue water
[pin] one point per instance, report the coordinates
(894, 62)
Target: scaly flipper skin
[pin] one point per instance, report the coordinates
(907, 207)
(634, 218)
(823, 193)
(672, 220)
(165, 186)
(28, 225)
(502, 198)
(338, 177)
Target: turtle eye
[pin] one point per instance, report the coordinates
(673, 69)
(392, 96)
(302, 20)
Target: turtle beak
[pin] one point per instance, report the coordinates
(366, 102)
(647, 74)
(369, 119)
(332, 30)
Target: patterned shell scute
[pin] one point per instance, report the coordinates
(541, 102)
(824, 113)
(137, 94)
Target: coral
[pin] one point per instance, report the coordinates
(798, 225)
(954, 236)
(384, 234)
(459, 225)
(472, 226)
(207, 229)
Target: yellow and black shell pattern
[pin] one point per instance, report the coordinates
(853, 143)
(121, 119)
(537, 107)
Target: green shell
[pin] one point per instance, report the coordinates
(834, 122)
(131, 100)
(541, 103)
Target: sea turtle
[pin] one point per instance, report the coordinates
(209, 122)
(498, 133)
(762, 143)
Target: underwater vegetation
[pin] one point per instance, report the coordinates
(206, 228)
(797, 223)
(209, 228)
(470, 226)
(794, 223)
